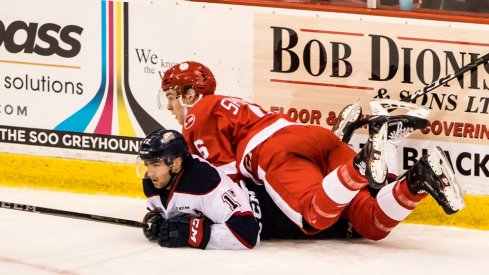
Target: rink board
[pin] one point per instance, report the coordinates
(104, 178)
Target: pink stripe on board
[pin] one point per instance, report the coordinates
(104, 125)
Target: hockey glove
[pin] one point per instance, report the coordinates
(154, 221)
(185, 230)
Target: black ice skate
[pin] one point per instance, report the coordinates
(434, 175)
(347, 121)
(370, 161)
(400, 126)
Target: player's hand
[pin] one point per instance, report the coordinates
(185, 230)
(154, 220)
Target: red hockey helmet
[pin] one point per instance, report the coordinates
(189, 74)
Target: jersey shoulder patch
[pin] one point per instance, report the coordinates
(199, 178)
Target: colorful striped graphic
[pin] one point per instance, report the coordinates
(114, 74)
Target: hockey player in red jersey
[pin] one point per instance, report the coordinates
(191, 203)
(310, 174)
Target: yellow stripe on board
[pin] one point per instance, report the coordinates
(474, 215)
(120, 180)
(125, 125)
(70, 175)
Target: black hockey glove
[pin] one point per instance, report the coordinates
(154, 221)
(185, 230)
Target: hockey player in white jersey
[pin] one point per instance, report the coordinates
(191, 203)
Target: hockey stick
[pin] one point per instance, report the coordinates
(338, 129)
(69, 214)
(444, 80)
(389, 106)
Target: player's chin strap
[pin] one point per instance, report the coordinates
(187, 106)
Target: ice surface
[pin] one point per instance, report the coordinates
(41, 244)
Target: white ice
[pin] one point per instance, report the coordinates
(42, 244)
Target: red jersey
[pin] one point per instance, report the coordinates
(306, 170)
(223, 129)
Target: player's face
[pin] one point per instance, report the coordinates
(159, 173)
(174, 105)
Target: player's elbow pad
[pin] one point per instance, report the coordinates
(245, 228)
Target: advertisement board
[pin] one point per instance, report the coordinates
(80, 80)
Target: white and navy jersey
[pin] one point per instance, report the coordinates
(202, 190)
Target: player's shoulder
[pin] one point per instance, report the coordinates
(199, 177)
(211, 99)
(215, 99)
(204, 106)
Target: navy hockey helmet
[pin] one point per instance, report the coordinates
(163, 145)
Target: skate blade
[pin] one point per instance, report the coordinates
(451, 188)
(378, 170)
(385, 106)
(349, 114)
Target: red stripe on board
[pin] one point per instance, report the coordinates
(321, 84)
(442, 41)
(333, 32)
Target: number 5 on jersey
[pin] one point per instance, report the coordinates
(231, 106)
